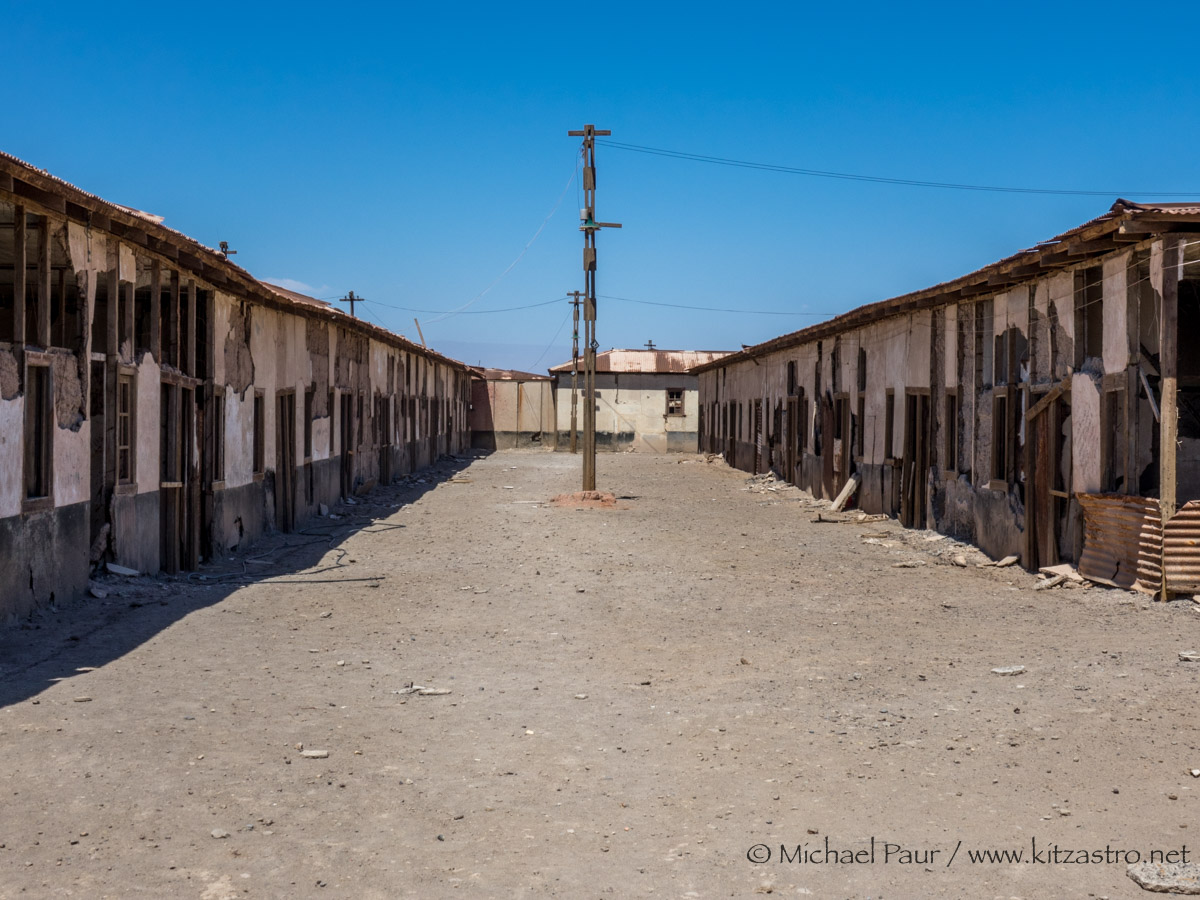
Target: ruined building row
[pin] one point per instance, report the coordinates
(1047, 405)
(159, 405)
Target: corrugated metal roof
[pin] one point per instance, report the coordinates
(152, 225)
(648, 361)
(508, 375)
(1122, 211)
(293, 295)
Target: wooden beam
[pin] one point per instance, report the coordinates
(43, 302)
(112, 282)
(189, 357)
(156, 311)
(20, 335)
(1047, 398)
(1169, 365)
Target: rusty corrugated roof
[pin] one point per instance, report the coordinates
(507, 375)
(648, 361)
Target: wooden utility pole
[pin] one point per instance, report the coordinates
(589, 226)
(351, 299)
(575, 370)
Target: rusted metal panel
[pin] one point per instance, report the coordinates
(1121, 543)
(1181, 549)
(649, 361)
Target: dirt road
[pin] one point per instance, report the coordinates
(642, 702)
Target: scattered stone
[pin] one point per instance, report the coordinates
(1166, 878)
(1189, 656)
(1065, 569)
(219, 833)
(581, 696)
(96, 591)
(326, 615)
(422, 691)
(1050, 583)
(114, 569)
(323, 510)
(960, 561)
(1008, 670)
(83, 699)
(1195, 773)
(315, 754)
(908, 564)
(1000, 563)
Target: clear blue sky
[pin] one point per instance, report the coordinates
(410, 152)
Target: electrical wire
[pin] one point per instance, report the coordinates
(877, 179)
(552, 340)
(468, 312)
(748, 312)
(520, 256)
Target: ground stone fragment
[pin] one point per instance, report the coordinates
(1008, 670)
(1167, 878)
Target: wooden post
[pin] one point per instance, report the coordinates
(156, 311)
(20, 336)
(1169, 367)
(189, 360)
(174, 350)
(43, 305)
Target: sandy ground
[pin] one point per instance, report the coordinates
(640, 701)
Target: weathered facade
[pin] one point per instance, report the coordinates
(511, 410)
(645, 400)
(159, 405)
(1047, 405)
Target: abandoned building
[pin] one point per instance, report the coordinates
(511, 409)
(646, 400)
(1047, 405)
(159, 405)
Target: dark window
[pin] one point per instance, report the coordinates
(791, 378)
(218, 433)
(1001, 468)
(950, 463)
(860, 426)
(1089, 314)
(309, 399)
(675, 402)
(260, 426)
(889, 425)
(125, 424)
(38, 424)
(360, 419)
(332, 399)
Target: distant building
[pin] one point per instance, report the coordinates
(511, 409)
(645, 400)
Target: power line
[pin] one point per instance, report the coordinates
(520, 256)
(879, 179)
(552, 340)
(465, 312)
(748, 312)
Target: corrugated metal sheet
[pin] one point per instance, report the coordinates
(507, 375)
(1120, 539)
(1181, 549)
(648, 361)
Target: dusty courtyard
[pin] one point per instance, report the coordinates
(642, 701)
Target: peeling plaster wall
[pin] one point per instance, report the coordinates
(148, 385)
(1116, 314)
(1060, 307)
(12, 428)
(1085, 433)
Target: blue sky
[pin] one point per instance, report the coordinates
(410, 152)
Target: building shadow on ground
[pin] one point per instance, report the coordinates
(57, 643)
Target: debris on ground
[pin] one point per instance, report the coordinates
(1166, 878)
(1008, 670)
(422, 691)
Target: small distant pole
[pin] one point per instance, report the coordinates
(650, 345)
(225, 251)
(419, 332)
(351, 299)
